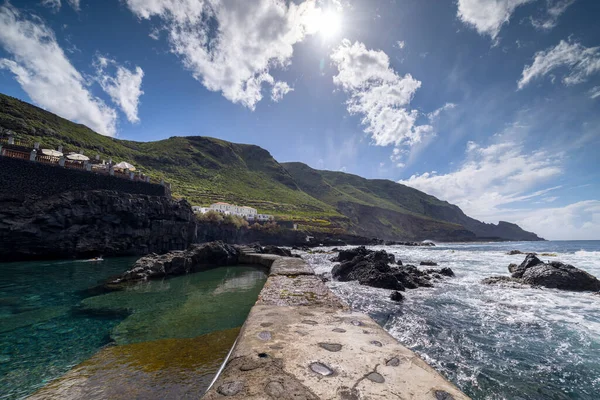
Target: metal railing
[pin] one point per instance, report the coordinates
(21, 149)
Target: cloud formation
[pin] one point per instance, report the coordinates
(491, 177)
(46, 75)
(231, 46)
(378, 94)
(279, 90)
(125, 88)
(555, 8)
(581, 62)
(487, 16)
(55, 5)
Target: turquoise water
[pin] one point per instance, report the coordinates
(494, 342)
(51, 318)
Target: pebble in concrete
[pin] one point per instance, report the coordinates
(356, 323)
(339, 330)
(333, 347)
(394, 362)
(265, 335)
(275, 389)
(310, 322)
(347, 393)
(376, 343)
(443, 395)
(375, 377)
(266, 324)
(321, 369)
(231, 388)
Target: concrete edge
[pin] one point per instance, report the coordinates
(301, 341)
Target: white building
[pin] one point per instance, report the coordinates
(230, 209)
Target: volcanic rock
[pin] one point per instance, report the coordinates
(196, 258)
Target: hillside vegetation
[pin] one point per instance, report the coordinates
(204, 170)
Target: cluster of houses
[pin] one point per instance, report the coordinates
(248, 213)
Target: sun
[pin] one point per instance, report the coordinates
(328, 23)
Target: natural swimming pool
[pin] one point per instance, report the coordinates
(53, 318)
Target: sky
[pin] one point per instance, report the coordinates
(493, 105)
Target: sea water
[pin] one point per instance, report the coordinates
(493, 342)
(53, 317)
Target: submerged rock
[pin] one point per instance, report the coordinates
(553, 275)
(372, 268)
(196, 258)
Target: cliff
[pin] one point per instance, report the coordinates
(90, 223)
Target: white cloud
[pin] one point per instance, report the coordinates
(46, 75)
(433, 116)
(577, 221)
(487, 16)
(595, 92)
(400, 44)
(555, 8)
(231, 46)
(491, 177)
(125, 88)
(378, 94)
(581, 61)
(75, 4)
(53, 4)
(279, 90)
(494, 179)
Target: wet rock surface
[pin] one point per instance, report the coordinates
(371, 268)
(552, 275)
(196, 258)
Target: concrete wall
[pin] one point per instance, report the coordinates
(35, 179)
(300, 341)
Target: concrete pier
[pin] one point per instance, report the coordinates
(300, 341)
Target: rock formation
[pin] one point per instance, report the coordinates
(196, 258)
(371, 268)
(92, 223)
(553, 275)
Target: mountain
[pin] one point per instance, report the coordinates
(390, 208)
(204, 170)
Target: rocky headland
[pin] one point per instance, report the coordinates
(553, 275)
(381, 270)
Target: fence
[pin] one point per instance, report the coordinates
(23, 150)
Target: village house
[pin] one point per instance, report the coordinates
(248, 213)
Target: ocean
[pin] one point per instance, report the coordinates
(493, 342)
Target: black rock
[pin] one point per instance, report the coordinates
(196, 258)
(372, 268)
(429, 263)
(396, 296)
(554, 275)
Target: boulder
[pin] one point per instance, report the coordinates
(396, 296)
(553, 275)
(196, 258)
(278, 251)
(372, 268)
(429, 263)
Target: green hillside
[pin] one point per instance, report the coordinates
(204, 170)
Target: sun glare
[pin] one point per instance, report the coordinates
(328, 23)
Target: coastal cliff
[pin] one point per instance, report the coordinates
(92, 223)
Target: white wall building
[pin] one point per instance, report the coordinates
(230, 209)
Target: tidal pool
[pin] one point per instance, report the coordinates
(50, 322)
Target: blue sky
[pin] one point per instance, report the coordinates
(493, 105)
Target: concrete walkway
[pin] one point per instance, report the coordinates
(302, 342)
